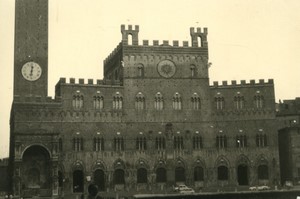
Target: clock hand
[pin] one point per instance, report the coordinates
(31, 71)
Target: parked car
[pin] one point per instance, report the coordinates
(263, 188)
(253, 188)
(187, 191)
(288, 184)
(180, 187)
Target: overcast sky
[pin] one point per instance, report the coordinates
(248, 39)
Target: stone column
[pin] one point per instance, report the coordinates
(17, 179)
(54, 177)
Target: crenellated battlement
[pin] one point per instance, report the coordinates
(91, 82)
(113, 53)
(36, 99)
(156, 57)
(242, 83)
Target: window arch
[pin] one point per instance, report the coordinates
(140, 70)
(177, 101)
(197, 142)
(142, 175)
(161, 175)
(195, 100)
(140, 101)
(222, 173)
(98, 102)
(117, 101)
(159, 101)
(178, 142)
(77, 102)
(220, 102)
(198, 173)
(129, 39)
(160, 143)
(239, 101)
(193, 70)
(78, 143)
(258, 100)
(263, 172)
(141, 143)
(261, 140)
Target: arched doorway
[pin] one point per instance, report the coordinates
(222, 173)
(142, 175)
(263, 172)
(161, 175)
(179, 174)
(99, 179)
(242, 174)
(36, 168)
(78, 181)
(198, 174)
(119, 176)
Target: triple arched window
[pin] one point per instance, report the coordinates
(239, 101)
(158, 101)
(77, 102)
(195, 100)
(117, 101)
(258, 100)
(98, 102)
(177, 102)
(140, 101)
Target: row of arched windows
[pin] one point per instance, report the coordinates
(118, 178)
(239, 102)
(98, 101)
(160, 142)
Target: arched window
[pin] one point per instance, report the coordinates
(263, 172)
(140, 101)
(197, 142)
(195, 100)
(199, 41)
(140, 70)
(129, 39)
(142, 175)
(177, 101)
(261, 140)
(179, 174)
(193, 70)
(98, 144)
(198, 173)
(77, 102)
(119, 144)
(258, 100)
(117, 101)
(141, 143)
(159, 101)
(160, 143)
(222, 173)
(99, 179)
(178, 142)
(239, 101)
(78, 144)
(241, 141)
(119, 176)
(98, 102)
(221, 141)
(161, 175)
(220, 102)
(78, 181)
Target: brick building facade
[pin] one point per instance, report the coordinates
(152, 122)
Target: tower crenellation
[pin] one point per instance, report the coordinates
(195, 35)
(130, 31)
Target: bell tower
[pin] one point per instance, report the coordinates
(31, 48)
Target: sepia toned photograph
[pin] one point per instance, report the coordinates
(150, 99)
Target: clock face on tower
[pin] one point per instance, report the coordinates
(31, 71)
(166, 68)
